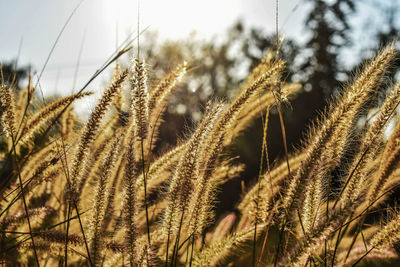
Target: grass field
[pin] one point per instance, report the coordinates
(94, 193)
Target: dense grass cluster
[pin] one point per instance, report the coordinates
(94, 194)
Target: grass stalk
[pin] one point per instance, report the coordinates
(24, 200)
(66, 235)
(145, 195)
(263, 147)
(83, 234)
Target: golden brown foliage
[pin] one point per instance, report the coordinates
(307, 215)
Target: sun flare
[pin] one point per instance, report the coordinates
(168, 18)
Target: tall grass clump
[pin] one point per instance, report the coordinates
(95, 193)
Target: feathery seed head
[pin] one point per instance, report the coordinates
(387, 236)
(140, 100)
(50, 111)
(89, 132)
(8, 117)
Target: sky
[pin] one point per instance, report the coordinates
(91, 35)
(30, 28)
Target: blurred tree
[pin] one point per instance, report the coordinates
(257, 43)
(386, 33)
(389, 31)
(318, 70)
(390, 14)
(12, 73)
(218, 66)
(329, 29)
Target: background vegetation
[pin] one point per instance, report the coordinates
(301, 233)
